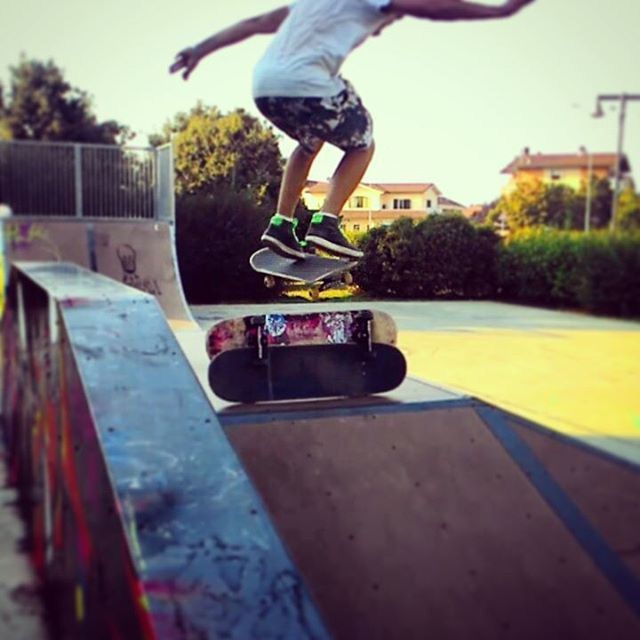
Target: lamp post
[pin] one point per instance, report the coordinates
(622, 98)
(587, 208)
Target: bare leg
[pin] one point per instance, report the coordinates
(350, 171)
(294, 179)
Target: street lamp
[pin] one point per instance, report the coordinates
(587, 209)
(622, 98)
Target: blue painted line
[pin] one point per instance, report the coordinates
(625, 583)
(237, 419)
(579, 444)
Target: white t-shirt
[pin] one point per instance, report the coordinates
(305, 56)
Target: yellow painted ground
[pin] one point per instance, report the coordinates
(582, 383)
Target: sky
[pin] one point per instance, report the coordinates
(453, 103)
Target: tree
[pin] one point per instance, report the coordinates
(42, 105)
(533, 204)
(5, 131)
(522, 207)
(601, 199)
(628, 215)
(214, 149)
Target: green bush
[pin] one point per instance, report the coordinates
(608, 274)
(215, 235)
(598, 272)
(440, 257)
(539, 267)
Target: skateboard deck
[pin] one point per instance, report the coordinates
(332, 327)
(312, 270)
(306, 371)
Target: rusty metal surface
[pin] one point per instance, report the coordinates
(141, 514)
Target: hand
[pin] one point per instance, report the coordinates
(186, 59)
(516, 5)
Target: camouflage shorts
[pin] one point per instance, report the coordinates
(340, 120)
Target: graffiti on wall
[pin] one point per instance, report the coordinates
(20, 237)
(128, 258)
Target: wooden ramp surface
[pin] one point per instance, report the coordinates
(420, 524)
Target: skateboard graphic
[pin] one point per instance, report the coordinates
(303, 356)
(316, 271)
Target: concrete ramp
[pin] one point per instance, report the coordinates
(440, 521)
(138, 253)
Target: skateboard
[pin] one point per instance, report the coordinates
(315, 270)
(294, 357)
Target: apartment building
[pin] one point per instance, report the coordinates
(572, 170)
(378, 204)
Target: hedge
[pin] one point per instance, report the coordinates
(440, 257)
(215, 235)
(598, 272)
(539, 267)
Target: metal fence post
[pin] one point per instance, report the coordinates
(165, 184)
(77, 174)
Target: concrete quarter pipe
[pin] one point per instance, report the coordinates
(140, 254)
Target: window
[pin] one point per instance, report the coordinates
(361, 202)
(428, 204)
(555, 174)
(401, 204)
(356, 227)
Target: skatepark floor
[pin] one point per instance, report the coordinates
(574, 373)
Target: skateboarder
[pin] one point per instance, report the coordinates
(297, 86)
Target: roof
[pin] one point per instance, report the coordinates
(404, 187)
(447, 202)
(529, 161)
(477, 212)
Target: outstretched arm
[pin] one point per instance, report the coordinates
(456, 9)
(187, 59)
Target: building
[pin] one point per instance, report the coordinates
(568, 169)
(446, 205)
(477, 213)
(378, 204)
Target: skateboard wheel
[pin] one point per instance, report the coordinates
(314, 294)
(269, 282)
(347, 278)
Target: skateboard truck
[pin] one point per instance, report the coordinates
(262, 339)
(363, 334)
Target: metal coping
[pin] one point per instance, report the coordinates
(315, 411)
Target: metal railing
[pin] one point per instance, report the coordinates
(87, 180)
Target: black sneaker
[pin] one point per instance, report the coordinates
(324, 232)
(280, 237)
